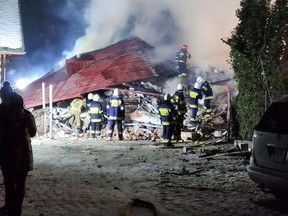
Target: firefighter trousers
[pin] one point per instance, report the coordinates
(95, 129)
(168, 131)
(111, 125)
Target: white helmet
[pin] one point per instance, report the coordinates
(200, 80)
(179, 86)
(167, 97)
(197, 85)
(96, 97)
(90, 96)
(116, 92)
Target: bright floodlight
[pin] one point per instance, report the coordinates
(22, 83)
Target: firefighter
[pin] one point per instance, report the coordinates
(194, 96)
(116, 114)
(88, 103)
(96, 116)
(181, 58)
(89, 100)
(208, 93)
(167, 116)
(76, 107)
(180, 106)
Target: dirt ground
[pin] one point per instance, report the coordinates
(99, 178)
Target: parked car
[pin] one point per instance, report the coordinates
(269, 159)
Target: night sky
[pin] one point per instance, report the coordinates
(49, 28)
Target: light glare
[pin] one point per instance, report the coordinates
(22, 83)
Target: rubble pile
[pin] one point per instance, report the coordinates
(142, 120)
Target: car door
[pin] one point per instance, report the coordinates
(270, 139)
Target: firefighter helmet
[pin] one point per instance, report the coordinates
(90, 96)
(200, 80)
(96, 97)
(116, 92)
(184, 47)
(197, 85)
(167, 97)
(179, 86)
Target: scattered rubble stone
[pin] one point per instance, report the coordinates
(142, 120)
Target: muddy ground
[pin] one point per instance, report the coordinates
(99, 178)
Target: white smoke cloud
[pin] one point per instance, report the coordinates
(166, 25)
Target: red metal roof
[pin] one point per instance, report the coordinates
(123, 62)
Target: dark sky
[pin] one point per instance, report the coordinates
(49, 28)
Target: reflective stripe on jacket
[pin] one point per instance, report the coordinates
(95, 111)
(115, 108)
(207, 90)
(167, 113)
(77, 104)
(182, 56)
(194, 96)
(179, 101)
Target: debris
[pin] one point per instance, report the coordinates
(247, 154)
(243, 145)
(146, 118)
(142, 120)
(187, 150)
(184, 172)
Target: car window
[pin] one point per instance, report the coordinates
(275, 119)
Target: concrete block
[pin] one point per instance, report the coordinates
(186, 135)
(243, 145)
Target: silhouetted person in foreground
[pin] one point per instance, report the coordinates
(17, 125)
(5, 91)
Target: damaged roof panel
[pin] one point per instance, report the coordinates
(123, 62)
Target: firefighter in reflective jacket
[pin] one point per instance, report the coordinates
(116, 113)
(76, 108)
(180, 106)
(167, 115)
(208, 93)
(181, 58)
(89, 101)
(96, 116)
(194, 95)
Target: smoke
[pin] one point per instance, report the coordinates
(166, 25)
(53, 32)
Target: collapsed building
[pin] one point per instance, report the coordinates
(128, 65)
